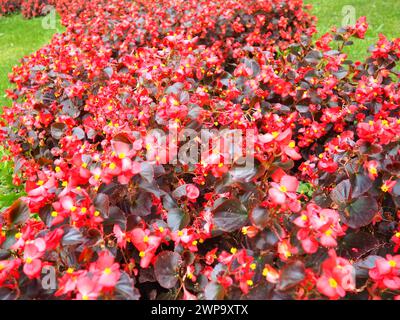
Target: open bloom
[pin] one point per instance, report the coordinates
(107, 270)
(338, 276)
(192, 192)
(33, 252)
(318, 226)
(387, 272)
(270, 274)
(88, 288)
(8, 268)
(285, 189)
(284, 192)
(372, 168)
(146, 244)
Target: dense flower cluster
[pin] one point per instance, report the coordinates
(317, 214)
(9, 6)
(28, 8)
(35, 8)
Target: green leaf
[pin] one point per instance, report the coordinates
(306, 188)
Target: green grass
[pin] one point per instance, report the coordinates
(383, 16)
(19, 37)
(8, 191)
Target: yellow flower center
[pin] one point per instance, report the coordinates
(142, 254)
(333, 283)
(253, 266)
(121, 155)
(249, 282)
(96, 213)
(392, 263)
(275, 134)
(70, 270)
(328, 232)
(265, 272)
(385, 188)
(283, 189)
(2, 266)
(304, 217)
(85, 297)
(146, 239)
(292, 144)
(54, 214)
(28, 260)
(107, 271)
(233, 250)
(112, 166)
(18, 235)
(83, 210)
(40, 183)
(373, 170)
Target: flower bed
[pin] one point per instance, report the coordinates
(314, 216)
(28, 8)
(9, 6)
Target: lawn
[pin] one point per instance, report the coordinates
(383, 16)
(18, 38)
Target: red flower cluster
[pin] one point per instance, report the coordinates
(386, 272)
(118, 215)
(9, 6)
(35, 8)
(28, 8)
(338, 276)
(318, 226)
